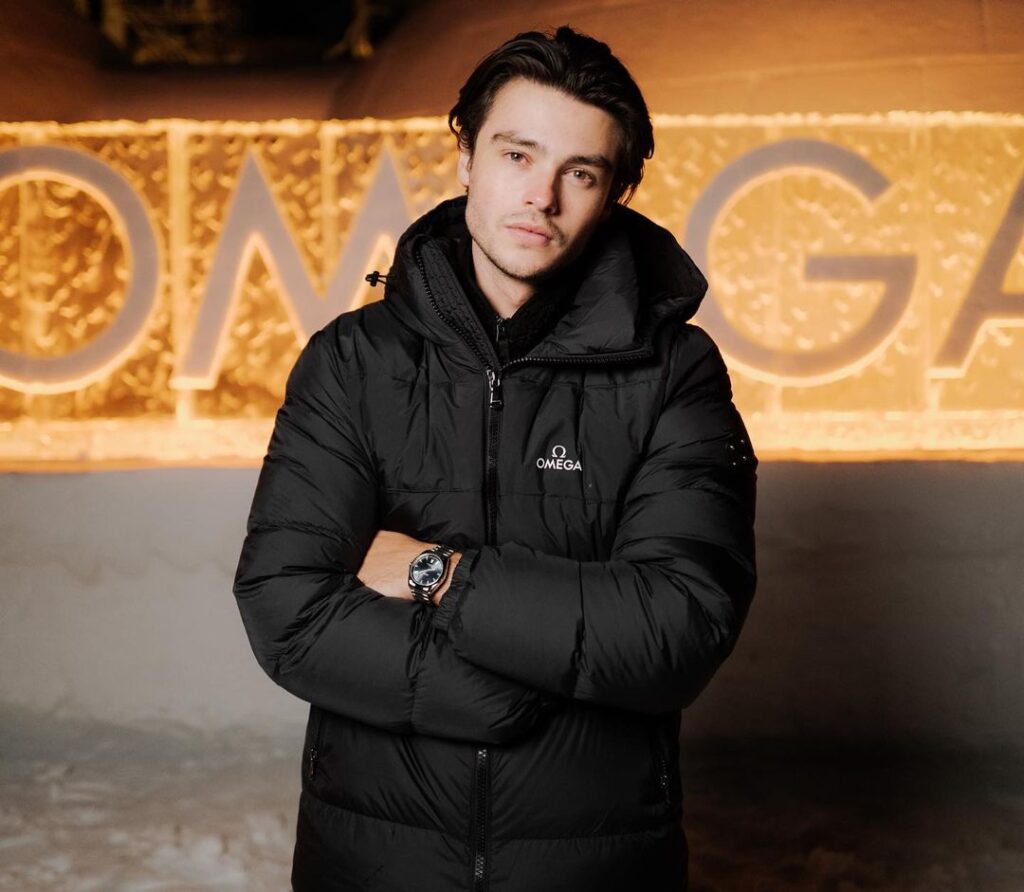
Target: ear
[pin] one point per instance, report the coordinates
(465, 162)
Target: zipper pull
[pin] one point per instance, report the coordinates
(375, 277)
(501, 337)
(494, 383)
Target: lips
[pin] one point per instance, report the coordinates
(534, 235)
(534, 229)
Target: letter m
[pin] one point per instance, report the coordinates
(254, 223)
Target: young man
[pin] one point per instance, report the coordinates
(503, 533)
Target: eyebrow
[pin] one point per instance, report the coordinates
(513, 138)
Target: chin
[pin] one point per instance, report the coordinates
(516, 268)
(533, 274)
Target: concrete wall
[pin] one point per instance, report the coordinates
(708, 56)
(689, 56)
(890, 609)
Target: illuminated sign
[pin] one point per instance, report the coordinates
(158, 279)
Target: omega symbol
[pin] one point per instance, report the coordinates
(558, 461)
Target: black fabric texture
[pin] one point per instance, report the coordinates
(523, 735)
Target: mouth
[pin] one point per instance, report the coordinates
(531, 234)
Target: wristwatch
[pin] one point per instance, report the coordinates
(428, 570)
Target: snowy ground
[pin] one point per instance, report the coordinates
(86, 807)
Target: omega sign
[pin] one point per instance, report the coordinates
(557, 461)
(868, 295)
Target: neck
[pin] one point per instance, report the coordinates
(505, 294)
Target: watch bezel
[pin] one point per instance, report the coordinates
(436, 561)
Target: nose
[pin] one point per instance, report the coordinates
(542, 192)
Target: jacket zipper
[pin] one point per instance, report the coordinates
(481, 818)
(663, 771)
(663, 752)
(495, 403)
(314, 747)
(481, 777)
(481, 786)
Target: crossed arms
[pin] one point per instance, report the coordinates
(518, 631)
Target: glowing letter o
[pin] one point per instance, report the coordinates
(91, 361)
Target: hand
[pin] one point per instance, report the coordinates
(385, 568)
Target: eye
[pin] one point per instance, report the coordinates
(586, 176)
(514, 156)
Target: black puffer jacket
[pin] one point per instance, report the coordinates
(522, 736)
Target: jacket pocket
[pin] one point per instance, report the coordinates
(313, 743)
(663, 776)
(666, 766)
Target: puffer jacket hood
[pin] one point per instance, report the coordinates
(522, 734)
(641, 277)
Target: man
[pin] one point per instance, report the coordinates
(503, 531)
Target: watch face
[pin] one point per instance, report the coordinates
(427, 569)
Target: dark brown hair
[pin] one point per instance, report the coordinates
(579, 66)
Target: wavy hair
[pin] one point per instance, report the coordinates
(581, 67)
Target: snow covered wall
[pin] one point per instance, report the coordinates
(890, 608)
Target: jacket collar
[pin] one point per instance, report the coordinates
(634, 277)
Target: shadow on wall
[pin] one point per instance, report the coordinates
(889, 609)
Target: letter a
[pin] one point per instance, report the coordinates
(986, 302)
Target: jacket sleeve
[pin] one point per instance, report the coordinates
(313, 626)
(646, 629)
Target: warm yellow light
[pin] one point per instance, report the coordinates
(157, 279)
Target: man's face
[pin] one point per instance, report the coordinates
(538, 181)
